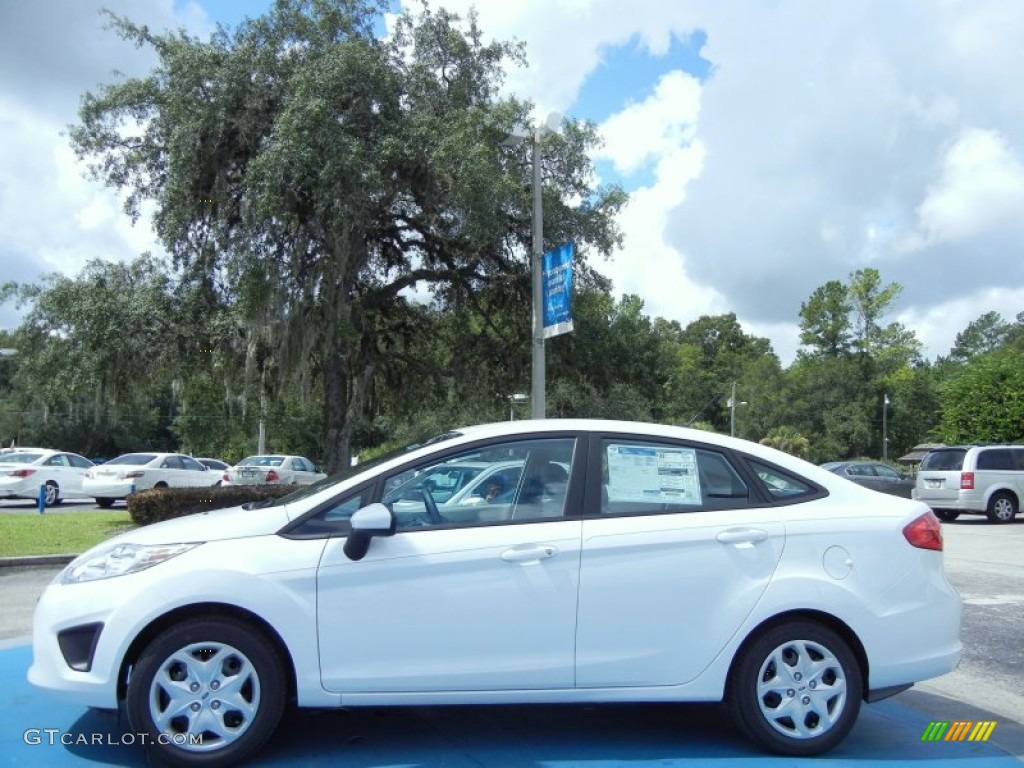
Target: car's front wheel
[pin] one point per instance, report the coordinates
(104, 503)
(51, 496)
(1002, 507)
(207, 692)
(796, 689)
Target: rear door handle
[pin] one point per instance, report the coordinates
(530, 554)
(742, 536)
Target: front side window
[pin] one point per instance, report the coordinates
(189, 463)
(78, 461)
(504, 482)
(651, 478)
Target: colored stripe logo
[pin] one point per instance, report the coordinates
(958, 730)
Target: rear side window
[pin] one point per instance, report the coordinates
(995, 458)
(944, 461)
(657, 478)
(781, 485)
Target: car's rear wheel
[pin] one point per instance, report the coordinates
(51, 496)
(796, 689)
(946, 515)
(1002, 507)
(207, 692)
(104, 503)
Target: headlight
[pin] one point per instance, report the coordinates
(120, 559)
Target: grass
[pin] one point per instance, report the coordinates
(58, 534)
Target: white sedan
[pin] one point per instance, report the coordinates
(273, 470)
(59, 473)
(123, 476)
(634, 562)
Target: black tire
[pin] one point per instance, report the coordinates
(946, 515)
(253, 676)
(161, 486)
(835, 688)
(105, 503)
(1002, 507)
(52, 493)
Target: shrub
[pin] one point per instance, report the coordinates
(152, 506)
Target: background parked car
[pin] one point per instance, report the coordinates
(215, 465)
(23, 472)
(977, 480)
(273, 469)
(873, 475)
(120, 477)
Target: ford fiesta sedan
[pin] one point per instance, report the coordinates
(658, 564)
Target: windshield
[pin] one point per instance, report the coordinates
(20, 458)
(261, 461)
(136, 459)
(345, 474)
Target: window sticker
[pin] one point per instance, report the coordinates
(658, 475)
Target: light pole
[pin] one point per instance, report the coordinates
(534, 135)
(513, 400)
(885, 427)
(732, 411)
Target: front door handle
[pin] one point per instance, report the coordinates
(742, 536)
(530, 554)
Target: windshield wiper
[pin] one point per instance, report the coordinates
(259, 504)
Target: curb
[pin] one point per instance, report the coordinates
(32, 560)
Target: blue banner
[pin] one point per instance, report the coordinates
(557, 279)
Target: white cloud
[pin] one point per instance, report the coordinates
(937, 326)
(660, 125)
(981, 186)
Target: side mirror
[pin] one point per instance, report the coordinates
(372, 520)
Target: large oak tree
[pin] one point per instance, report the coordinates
(312, 173)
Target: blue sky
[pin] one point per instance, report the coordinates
(768, 146)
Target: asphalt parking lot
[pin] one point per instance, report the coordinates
(984, 562)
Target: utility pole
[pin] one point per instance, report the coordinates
(885, 427)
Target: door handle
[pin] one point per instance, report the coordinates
(529, 554)
(742, 536)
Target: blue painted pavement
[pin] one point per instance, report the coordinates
(887, 734)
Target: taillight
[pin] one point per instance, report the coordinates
(272, 476)
(966, 481)
(22, 473)
(226, 478)
(133, 474)
(924, 532)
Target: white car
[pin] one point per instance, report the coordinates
(123, 476)
(273, 470)
(674, 565)
(24, 471)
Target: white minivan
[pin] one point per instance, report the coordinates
(979, 479)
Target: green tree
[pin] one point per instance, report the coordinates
(789, 440)
(96, 354)
(985, 334)
(825, 320)
(985, 402)
(324, 173)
